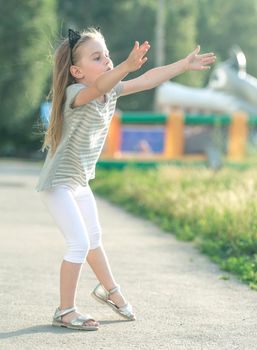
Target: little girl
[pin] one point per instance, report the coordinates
(84, 94)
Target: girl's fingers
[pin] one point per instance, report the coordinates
(143, 51)
(209, 54)
(145, 43)
(141, 56)
(144, 46)
(208, 60)
(143, 60)
(197, 50)
(140, 51)
(205, 67)
(136, 46)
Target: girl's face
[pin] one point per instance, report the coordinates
(94, 60)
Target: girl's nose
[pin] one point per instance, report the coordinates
(107, 60)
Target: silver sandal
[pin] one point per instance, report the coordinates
(76, 323)
(101, 294)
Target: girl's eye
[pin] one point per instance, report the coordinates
(99, 57)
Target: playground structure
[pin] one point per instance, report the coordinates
(160, 137)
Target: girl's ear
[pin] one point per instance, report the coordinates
(75, 72)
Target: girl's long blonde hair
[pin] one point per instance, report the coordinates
(61, 79)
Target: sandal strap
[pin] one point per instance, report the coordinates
(85, 317)
(101, 292)
(78, 321)
(59, 313)
(115, 289)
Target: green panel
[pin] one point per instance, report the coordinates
(120, 164)
(211, 119)
(143, 117)
(189, 119)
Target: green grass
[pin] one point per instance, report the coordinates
(215, 210)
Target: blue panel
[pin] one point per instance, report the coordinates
(45, 113)
(136, 139)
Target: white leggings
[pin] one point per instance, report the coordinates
(75, 213)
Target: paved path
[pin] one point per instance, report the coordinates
(177, 294)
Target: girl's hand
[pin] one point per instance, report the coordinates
(199, 62)
(136, 57)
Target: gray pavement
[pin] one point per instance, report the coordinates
(178, 296)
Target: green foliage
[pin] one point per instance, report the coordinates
(26, 31)
(218, 211)
(222, 24)
(181, 32)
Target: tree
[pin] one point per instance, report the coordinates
(181, 35)
(222, 24)
(26, 31)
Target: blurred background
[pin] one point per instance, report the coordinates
(31, 30)
(205, 115)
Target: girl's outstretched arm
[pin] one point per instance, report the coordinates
(158, 75)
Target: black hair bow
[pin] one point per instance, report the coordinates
(73, 37)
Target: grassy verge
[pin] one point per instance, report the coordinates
(218, 211)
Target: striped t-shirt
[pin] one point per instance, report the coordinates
(84, 130)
